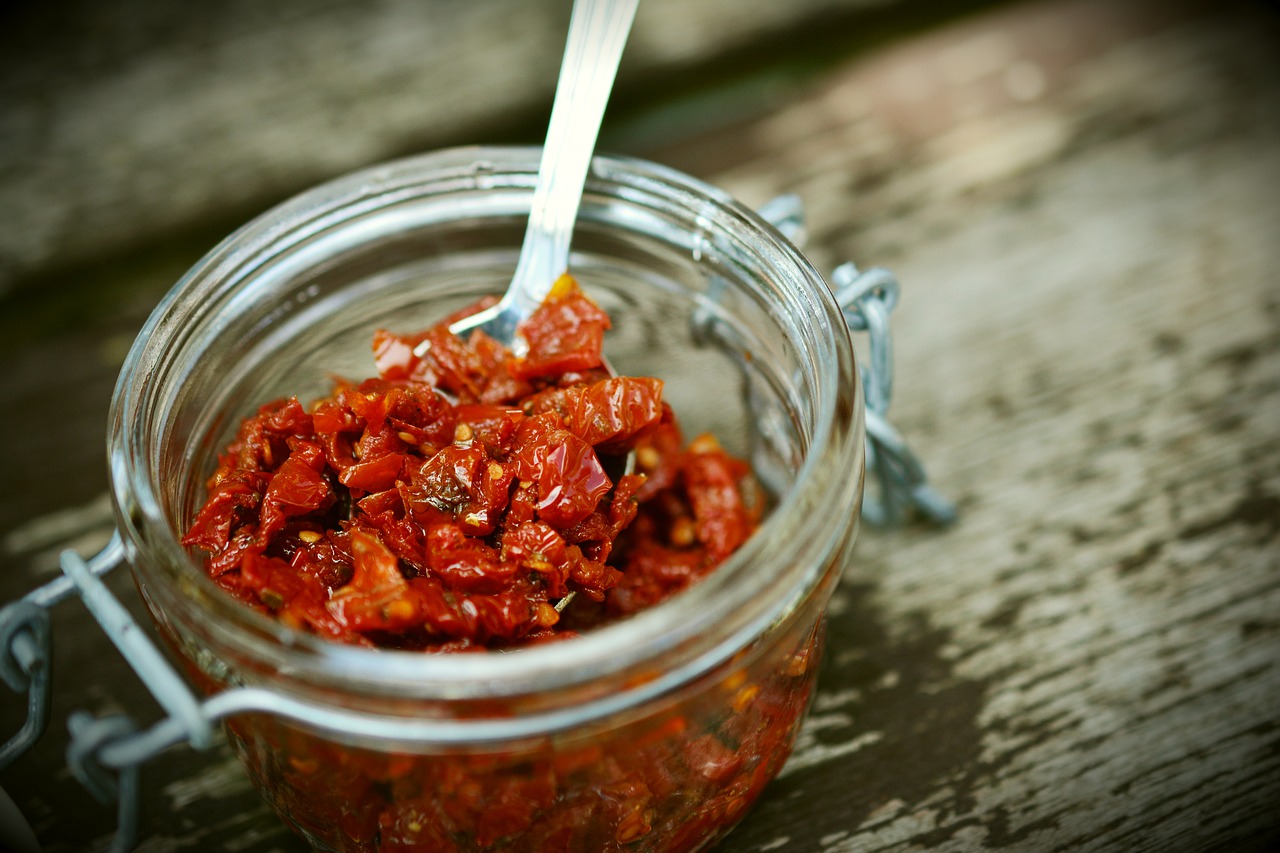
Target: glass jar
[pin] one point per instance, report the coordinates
(654, 733)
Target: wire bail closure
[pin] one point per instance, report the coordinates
(105, 753)
(866, 299)
(25, 638)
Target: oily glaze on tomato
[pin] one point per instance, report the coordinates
(450, 501)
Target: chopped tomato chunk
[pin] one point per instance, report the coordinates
(450, 501)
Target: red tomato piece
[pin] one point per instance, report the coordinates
(466, 563)
(295, 598)
(462, 367)
(565, 333)
(711, 479)
(493, 426)
(376, 475)
(608, 414)
(463, 482)
(377, 597)
(297, 487)
(331, 417)
(395, 356)
(286, 418)
(233, 499)
(568, 475)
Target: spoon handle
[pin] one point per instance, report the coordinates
(597, 34)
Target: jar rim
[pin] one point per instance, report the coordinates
(705, 624)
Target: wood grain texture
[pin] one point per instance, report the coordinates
(1080, 200)
(133, 120)
(1081, 206)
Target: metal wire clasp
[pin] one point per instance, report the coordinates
(104, 753)
(866, 298)
(25, 647)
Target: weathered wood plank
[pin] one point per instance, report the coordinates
(142, 119)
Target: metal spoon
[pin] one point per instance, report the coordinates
(597, 33)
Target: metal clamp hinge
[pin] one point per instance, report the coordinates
(866, 298)
(104, 754)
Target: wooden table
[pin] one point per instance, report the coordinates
(1080, 198)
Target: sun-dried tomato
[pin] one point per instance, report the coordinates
(568, 475)
(566, 333)
(606, 414)
(451, 500)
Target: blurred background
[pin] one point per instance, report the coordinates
(135, 124)
(135, 134)
(1080, 198)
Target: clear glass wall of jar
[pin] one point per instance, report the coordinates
(654, 733)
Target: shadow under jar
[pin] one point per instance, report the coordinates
(653, 733)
